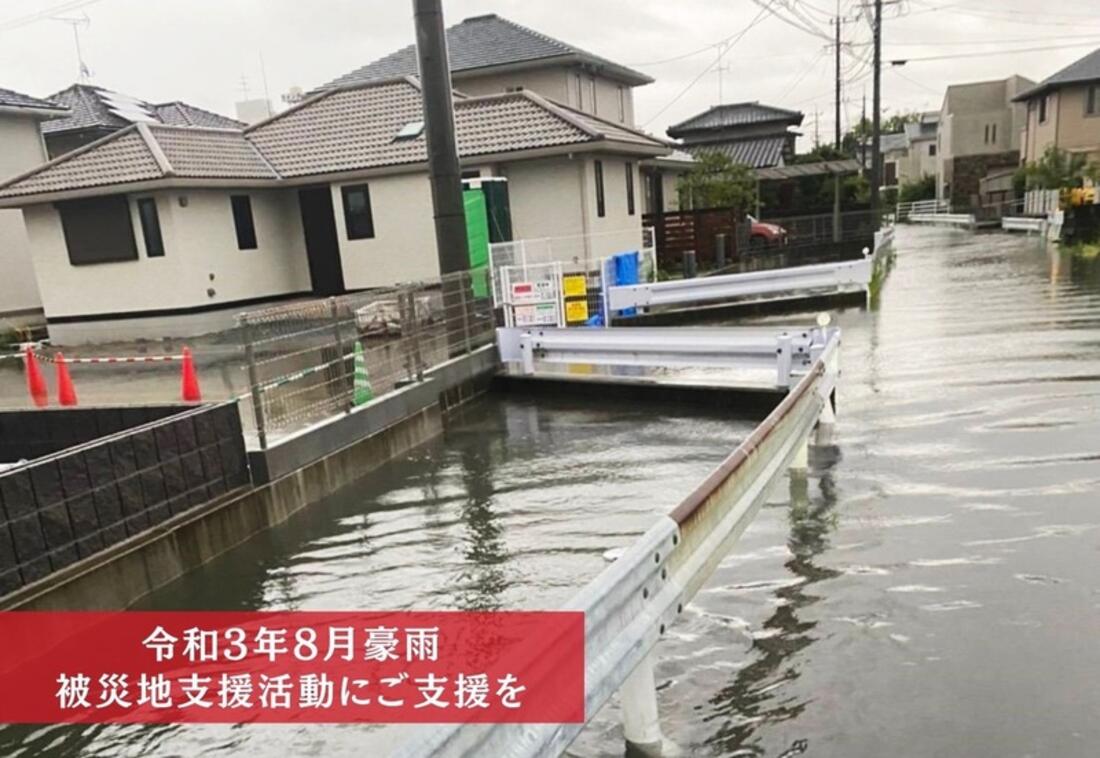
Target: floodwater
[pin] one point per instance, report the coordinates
(933, 589)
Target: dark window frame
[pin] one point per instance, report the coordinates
(150, 227)
(98, 230)
(629, 188)
(1043, 109)
(357, 228)
(244, 223)
(1092, 100)
(601, 206)
(932, 150)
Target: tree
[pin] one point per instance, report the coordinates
(1058, 169)
(717, 182)
(918, 189)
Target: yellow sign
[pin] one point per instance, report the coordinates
(575, 286)
(576, 310)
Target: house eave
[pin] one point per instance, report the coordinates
(41, 114)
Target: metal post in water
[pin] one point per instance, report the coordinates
(800, 464)
(641, 717)
(689, 264)
(341, 362)
(465, 313)
(254, 384)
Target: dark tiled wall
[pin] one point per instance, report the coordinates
(68, 506)
(28, 434)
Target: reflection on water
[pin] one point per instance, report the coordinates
(514, 507)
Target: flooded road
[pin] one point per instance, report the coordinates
(932, 590)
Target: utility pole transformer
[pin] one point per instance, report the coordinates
(876, 116)
(439, 128)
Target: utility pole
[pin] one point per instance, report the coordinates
(837, 115)
(817, 132)
(876, 115)
(439, 128)
(862, 136)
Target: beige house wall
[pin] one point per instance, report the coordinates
(201, 254)
(569, 85)
(21, 149)
(1067, 125)
(403, 246)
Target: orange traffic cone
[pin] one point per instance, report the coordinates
(66, 392)
(189, 387)
(36, 383)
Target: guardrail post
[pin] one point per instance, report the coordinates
(254, 384)
(800, 464)
(783, 358)
(341, 359)
(641, 718)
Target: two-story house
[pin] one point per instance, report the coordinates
(752, 134)
(1063, 111)
(979, 133)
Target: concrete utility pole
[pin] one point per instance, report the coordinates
(439, 127)
(837, 114)
(876, 115)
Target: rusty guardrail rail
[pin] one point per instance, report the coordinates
(632, 603)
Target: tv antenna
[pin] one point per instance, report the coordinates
(77, 24)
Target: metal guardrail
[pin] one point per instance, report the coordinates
(947, 219)
(787, 352)
(633, 602)
(904, 210)
(1022, 224)
(844, 275)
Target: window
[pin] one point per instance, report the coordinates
(1043, 109)
(580, 94)
(242, 220)
(992, 133)
(985, 138)
(358, 219)
(622, 103)
(932, 150)
(592, 90)
(600, 209)
(150, 227)
(411, 130)
(1092, 100)
(629, 188)
(98, 230)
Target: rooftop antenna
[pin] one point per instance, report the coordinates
(243, 87)
(77, 23)
(720, 67)
(263, 74)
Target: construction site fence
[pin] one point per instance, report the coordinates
(309, 361)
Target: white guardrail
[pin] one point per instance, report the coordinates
(787, 352)
(633, 602)
(946, 219)
(819, 277)
(1023, 224)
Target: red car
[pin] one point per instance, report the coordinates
(763, 235)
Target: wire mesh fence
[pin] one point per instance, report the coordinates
(309, 361)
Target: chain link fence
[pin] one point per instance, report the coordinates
(307, 362)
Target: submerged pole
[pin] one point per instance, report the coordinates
(439, 129)
(641, 718)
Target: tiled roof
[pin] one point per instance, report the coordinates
(758, 152)
(12, 99)
(341, 130)
(481, 42)
(1086, 69)
(130, 155)
(735, 114)
(200, 153)
(182, 114)
(356, 127)
(120, 158)
(89, 110)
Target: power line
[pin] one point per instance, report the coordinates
(30, 18)
(987, 53)
(733, 41)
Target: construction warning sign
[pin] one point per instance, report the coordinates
(575, 286)
(576, 311)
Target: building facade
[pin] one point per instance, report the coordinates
(1063, 111)
(752, 134)
(23, 149)
(980, 128)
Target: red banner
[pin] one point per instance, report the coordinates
(330, 667)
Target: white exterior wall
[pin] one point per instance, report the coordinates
(551, 82)
(403, 246)
(616, 232)
(21, 149)
(201, 253)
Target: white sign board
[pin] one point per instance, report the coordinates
(536, 314)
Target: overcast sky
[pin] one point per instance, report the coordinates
(207, 51)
